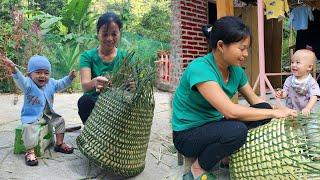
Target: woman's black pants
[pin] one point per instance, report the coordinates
(215, 140)
(85, 105)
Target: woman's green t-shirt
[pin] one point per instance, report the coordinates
(190, 108)
(92, 60)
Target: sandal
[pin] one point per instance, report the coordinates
(63, 148)
(74, 128)
(31, 158)
(206, 176)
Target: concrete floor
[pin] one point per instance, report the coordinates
(76, 166)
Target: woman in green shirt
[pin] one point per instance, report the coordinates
(206, 124)
(98, 62)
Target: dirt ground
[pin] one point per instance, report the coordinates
(76, 166)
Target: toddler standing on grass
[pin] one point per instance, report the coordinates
(39, 89)
(301, 91)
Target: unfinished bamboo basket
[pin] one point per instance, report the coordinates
(116, 134)
(281, 149)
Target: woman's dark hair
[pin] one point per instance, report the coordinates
(206, 29)
(108, 18)
(229, 29)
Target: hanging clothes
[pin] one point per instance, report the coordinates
(300, 16)
(310, 37)
(276, 8)
(313, 3)
(254, 2)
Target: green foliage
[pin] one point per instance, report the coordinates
(122, 8)
(6, 30)
(64, 54)
(75, 16)
(145, 49)
(285, 43)
(6, 7)
(150, 18)
(126, 17)
(20, 39)
(62, 29)
(48, 22)
(155, 24)
(64, 51)
(52, 7)
(66, 57)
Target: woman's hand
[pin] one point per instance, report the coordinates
(282, 112)
(100, 82)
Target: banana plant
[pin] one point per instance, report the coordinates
(67, 55)
(75, 16)
(64, 58)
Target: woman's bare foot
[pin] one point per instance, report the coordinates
(196, 170)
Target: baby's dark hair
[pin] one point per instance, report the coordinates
(229, 29)
(108, 18)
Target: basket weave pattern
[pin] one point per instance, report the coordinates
(280, 149)
(117, 132)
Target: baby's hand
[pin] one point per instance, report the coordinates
(8, 63)
(280, 94)
(306, 111)
(72, 74)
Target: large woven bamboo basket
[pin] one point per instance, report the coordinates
(281, 149)
(116, 134)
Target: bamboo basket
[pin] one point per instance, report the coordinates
(281, 149)
(117, 132)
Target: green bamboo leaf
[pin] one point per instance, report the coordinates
(48, 23)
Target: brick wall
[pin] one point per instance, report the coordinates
(188, 42)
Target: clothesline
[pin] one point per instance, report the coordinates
(312, 3)
(292, 3)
